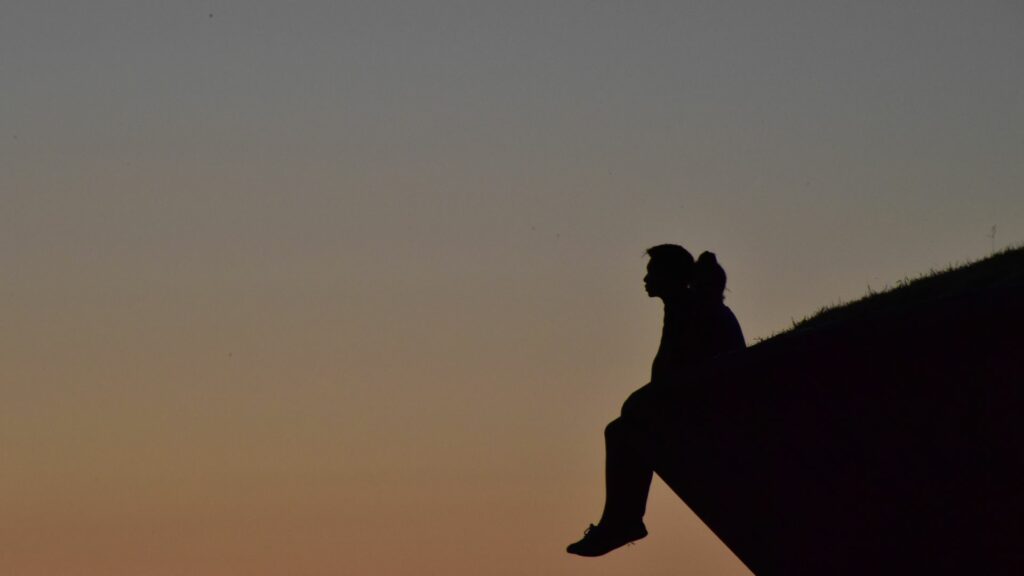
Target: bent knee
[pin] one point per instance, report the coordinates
(638, 402)
(614, 429)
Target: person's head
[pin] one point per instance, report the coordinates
(669, 271)
(709, 277)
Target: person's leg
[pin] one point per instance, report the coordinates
(629, 458)
(640, 404)
(628, 472)
(628, 478)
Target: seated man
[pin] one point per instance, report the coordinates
(697, 326)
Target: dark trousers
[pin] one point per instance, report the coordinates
(631, 454)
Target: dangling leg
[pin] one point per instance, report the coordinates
(628, 474)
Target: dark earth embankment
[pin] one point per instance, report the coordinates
(880, 437)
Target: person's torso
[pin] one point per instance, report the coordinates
(693, 333)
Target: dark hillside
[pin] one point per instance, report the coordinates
(880, 437)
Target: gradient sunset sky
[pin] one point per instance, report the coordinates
(352, 288)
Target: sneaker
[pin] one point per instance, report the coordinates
(600, 539)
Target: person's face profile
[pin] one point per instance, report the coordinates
(654, 280)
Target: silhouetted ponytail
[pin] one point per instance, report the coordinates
(709, 277)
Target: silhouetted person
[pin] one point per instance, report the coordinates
(717, 329)
(697, 326)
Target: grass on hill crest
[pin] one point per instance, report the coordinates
(1005, 268)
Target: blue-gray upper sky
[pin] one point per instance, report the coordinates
(879, 139)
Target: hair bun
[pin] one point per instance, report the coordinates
(709, 276)
(707, 258)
